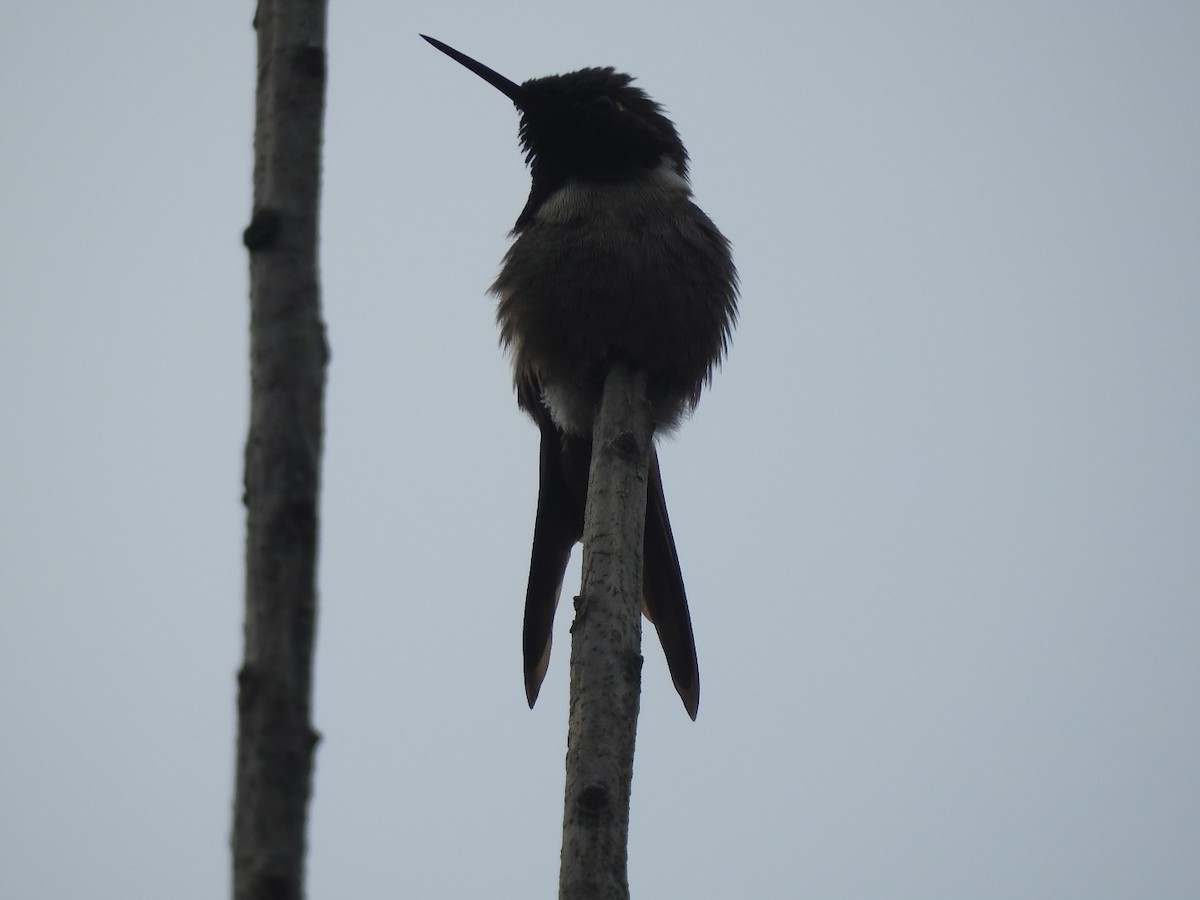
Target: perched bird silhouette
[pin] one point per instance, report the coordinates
(611, 261)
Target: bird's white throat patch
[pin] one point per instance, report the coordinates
(575, 198)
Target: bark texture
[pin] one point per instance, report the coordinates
(276, 740)
(606, 660)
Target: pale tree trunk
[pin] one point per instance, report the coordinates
(606, 660)
(276, 740)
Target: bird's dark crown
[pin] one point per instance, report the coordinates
(593, 125)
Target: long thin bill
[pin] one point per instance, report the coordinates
(510, 89)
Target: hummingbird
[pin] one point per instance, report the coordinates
(611, 260)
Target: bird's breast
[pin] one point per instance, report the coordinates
(631, 268)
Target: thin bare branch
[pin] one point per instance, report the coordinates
(276, 739)
(606, 658)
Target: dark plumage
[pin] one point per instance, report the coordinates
(611, 259)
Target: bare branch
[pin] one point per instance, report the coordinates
(283, 454)
(606, 658)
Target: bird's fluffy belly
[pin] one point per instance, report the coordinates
(630, 271)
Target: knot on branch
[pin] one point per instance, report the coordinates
(594, 802)
(311, 61)
(264, 227)
(581, 607)
(625, 445)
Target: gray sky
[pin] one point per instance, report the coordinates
(939, 516)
